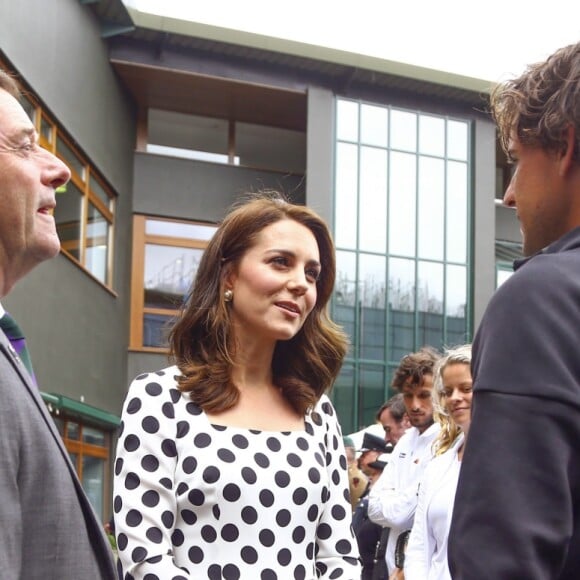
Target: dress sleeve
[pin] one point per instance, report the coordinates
(416, 557)
(336, 547)
(144, 494)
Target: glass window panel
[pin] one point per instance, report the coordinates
(431, 135)
(97, 250)
(94, 436)
(59, 424)
(430, 287)
(99, 191)
(29, 107)
(93, 482)
(403, 130)
(431, 206)
(156, 329)
(344, 396)
(372, 392)
(70, 158)
(347, 120)
(402, 200)
(47, 129)
(503, 273)
(271, 148)
(346, 195)
(67, 215)
(179, 230)
(457, 217)
(457, 140)
(456, 291)
(372, 295)
(189, 135)
(345, 293)
(374, 125)
(373, 200)
(169, 273)
(74, 458)
(456, 305)
(72, 431)
(402, 284)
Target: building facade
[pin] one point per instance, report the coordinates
(165, 123)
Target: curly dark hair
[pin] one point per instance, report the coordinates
(414, 367)
(201, 341)
(542, 103)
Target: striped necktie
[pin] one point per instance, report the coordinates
(17, 340)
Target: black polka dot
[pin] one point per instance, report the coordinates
(189, 464)
(324, 531)
(240, 441)
(154, 535)
(294, 460)
(209, 534)
(262, 460)
(177, 538)
(168, 448)
(202, 440)
(166, 483)
(182, 488)
(150, 463)
(299, 534)
(249, 515)
(282, 479)
(131, 443)
(195, 554)
(150, 424)
(139, 554)
(175, 395)
(302, 444)
(338, 512)
(132, 481)
(266, 538)
(214, 572)
(300, 573)
(133, 406)
(283, 518)
(134, 518)
(284, 557)
(168, 410)
(118, 465)
(182, 429)
(189, 517)
(117, 504)
(153, 389)
(196, 497)
(211, 474)
(266, 498)
(232, 492)
(268, 574)
(226, 455)
(314, 475)
(249, 475)
(273, 444)
(299, 496)
(122, 541)
(230, 533)
(150, 498)
(231, 572)
(343, 546)
(249, 555)
(193, 409)
(167, 518)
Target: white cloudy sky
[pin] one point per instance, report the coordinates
(489, 40)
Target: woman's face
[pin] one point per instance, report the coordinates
(457, 393)
(274, 285)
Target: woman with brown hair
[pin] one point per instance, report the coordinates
(231, 463)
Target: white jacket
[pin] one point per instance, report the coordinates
(393, 498)
(426, 554)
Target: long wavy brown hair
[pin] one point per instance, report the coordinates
(202, 343)
(542, 103)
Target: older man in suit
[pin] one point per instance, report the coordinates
(48, 529)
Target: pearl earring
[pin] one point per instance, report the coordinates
(228, 295)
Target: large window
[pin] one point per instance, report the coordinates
(166, 255)
(402, 221)
(85, 206)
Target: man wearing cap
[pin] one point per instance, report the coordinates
(368, 534)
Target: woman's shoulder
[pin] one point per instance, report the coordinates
(155, 383)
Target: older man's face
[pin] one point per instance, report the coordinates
(29, 176)
(393, 429)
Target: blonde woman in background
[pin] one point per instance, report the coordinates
(426, 554)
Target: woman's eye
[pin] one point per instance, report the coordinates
(312, 275)
(280, 261)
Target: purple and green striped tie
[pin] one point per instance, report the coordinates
(17, 340)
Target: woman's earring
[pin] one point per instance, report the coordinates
(228, 295)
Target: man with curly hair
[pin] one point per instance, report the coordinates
(393, 498)
(517, 509)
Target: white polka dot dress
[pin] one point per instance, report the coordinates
(194, 500)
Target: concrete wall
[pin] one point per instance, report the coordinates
(78, 330)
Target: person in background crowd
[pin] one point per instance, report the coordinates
(393, 417)
(368, 534)
(357, 480)
(426, 553)
(393, 499)
(231, 462)
(517, 508)
(49, 529)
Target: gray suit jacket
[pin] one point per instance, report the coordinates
(48, 529)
